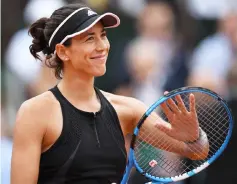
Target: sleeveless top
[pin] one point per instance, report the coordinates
(90, 149)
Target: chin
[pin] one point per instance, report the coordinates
(100, 72)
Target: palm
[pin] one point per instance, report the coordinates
(183, 123)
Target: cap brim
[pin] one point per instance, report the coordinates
(109, 20)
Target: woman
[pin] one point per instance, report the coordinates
(74, 133)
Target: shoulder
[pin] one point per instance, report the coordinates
(129, 110)
(123, 101)
(39, 104)
(129, 107)
(36, 111)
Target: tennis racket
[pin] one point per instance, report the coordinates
(160, 166)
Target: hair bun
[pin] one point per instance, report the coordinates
(39, 43)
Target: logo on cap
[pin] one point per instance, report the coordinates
(90, 12)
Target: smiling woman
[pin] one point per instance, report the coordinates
(88, 52)
(79, 22)
(74, 133)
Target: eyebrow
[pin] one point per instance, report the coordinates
(93, 33)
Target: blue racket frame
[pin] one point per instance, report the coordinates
(131, 159)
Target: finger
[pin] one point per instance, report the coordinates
(180, 103)
(166, 92)
(173, 106)
(163, 126)
(167, 111)
(192, 103)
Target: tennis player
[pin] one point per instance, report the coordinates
(74, 133)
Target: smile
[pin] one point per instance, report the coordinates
(99, 57)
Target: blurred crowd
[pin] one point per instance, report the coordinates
(160, 45)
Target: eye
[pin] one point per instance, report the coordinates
(104, 34)
(90, 38)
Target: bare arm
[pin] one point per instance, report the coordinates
(28, 135)
(195, 151)
(170, 139)
(130, 111)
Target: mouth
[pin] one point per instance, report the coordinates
(99, 57)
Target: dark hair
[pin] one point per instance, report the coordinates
(41, 31)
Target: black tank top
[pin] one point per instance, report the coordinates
(90, 149)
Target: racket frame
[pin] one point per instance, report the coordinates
(131, 159)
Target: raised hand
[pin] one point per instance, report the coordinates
(183, 124)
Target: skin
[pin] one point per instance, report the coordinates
(39, 120)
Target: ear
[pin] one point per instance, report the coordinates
(62, 52)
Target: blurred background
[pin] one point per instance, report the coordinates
(160, 45)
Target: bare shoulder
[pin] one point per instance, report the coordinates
(39, 104)
(123, 101)
(35, 111)
(129, 110)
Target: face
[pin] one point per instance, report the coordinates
(88, 52)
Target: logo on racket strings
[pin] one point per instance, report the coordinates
(153, 163)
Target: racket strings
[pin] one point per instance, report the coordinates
(165, 146)
(213, 119)
(218, 131)
(201, 109)
(164, 162)
(216, 106)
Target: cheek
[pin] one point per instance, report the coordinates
(83, 53)
(108, 44)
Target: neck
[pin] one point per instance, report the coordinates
(77, 87)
